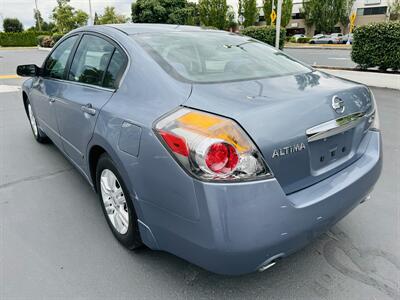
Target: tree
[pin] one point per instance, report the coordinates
(38, 20)
(188, 15)
(12, 25)
(213, 13)
(157, 11)
(346, 13)
(67, 18)
(323, 14)
(230, 17)
(49, 27)
(250, 12)
(110, 16)
(96, 19)
(287, 6)
(394, 10)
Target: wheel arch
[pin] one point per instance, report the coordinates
(97, 146)
(93, 157)
(25, 101)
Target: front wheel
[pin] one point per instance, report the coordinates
(38, 134)
(117, 204)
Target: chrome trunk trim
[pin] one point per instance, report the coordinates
(335, 126)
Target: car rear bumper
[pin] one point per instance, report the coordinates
(243, 226)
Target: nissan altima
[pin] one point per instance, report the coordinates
(209, 145)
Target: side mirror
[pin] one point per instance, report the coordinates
(28, 70)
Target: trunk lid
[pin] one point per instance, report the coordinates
(277, 113)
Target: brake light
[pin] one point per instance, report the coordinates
(176, 144)
(210, 147)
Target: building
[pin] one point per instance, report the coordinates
(367, 11)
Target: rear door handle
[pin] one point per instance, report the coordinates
(88, 108)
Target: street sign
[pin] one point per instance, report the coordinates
(353, 18)
(273, 16)
(241, 19)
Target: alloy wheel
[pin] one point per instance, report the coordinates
(32, 120)
(114, 201)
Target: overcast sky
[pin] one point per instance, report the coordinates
(23, 9)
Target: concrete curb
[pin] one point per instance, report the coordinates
(44, 49)
(356, 69)
(317, 47)
(381, 80)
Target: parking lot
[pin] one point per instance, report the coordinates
(55, 242)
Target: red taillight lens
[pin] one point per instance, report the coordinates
(210, 147)
(177, 144)
(221, 158)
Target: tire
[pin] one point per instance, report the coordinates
(312, 42)
(116, 204)
(38, 134)
(330, 42)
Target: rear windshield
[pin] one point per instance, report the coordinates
(217, 57)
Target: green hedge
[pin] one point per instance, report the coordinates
(265, 34)
(304, 40)
(377, 45)
(14, 39)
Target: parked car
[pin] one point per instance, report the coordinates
(317, 36)
(297, 36)
(326, 39)
(217, 148)
(347, 37)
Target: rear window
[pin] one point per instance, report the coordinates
(217, 57)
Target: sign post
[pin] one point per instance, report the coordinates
(278, 24)
(352, 20)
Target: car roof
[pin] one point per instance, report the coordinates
(136, 28)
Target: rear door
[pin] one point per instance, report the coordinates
(91, 81)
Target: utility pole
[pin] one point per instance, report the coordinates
(37, 16)
(91, 22)
(278, 24)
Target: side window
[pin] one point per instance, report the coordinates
(57, 61)
(91, 60)
(115, 69)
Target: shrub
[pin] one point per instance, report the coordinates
(377, 45)
(40, 38)
(303, 40)
(23, 39)
(265, 34)
(47, 42)
(57, 37)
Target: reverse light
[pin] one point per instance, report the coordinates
(210, 147)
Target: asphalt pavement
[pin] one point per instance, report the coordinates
(55, 242)
(323, 57)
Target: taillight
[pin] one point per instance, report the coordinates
(210, 147)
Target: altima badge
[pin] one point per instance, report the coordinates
(288, 150)
(338, 105)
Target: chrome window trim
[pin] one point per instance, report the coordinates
(81, 33)
(336, 126)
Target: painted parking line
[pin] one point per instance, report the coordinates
(13, 76)
(9, 88)
(338, 58)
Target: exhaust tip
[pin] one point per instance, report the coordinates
(367, 198)
(269, 263)
(266, 267)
